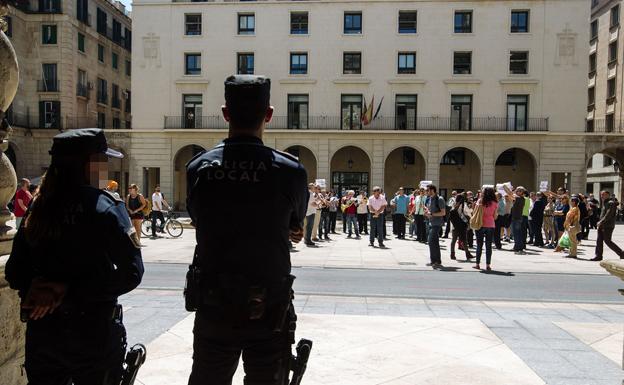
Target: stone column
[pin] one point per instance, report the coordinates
(11, 329)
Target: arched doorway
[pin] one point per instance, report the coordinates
(119, 171)
(182, 157)
(460, 170)
(604, 174)
(307, 158)
(517, 166)
(404, 167)
(350, 170)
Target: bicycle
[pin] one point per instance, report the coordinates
(171, 225)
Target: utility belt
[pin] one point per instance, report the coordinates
(112, 311)
(233, 299)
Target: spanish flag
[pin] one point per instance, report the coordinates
(367, 114)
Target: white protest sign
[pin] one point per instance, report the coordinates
(425, 183)
(544, 185)
(321, 183)
(487, 186)
(500, 188)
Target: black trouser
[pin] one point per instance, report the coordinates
(584, 228)
(459, 234)
(217, 350)
(484, 234)
(332, 221)
(525, 227)
(157, 215)
(421, 231)
(498, 225)
(400, 225)
(395, 224)
(448, 222)
(383, 225)
(362, 220)
(536, 228)
(80, 348)
(604, 236)
(469, 238)
(323, 228)
(344, 222)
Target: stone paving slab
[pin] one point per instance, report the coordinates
(342, 252)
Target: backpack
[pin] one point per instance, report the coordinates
(457, 219)
(148, 205)
(476, 221)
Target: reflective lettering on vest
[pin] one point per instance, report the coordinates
(246, 171)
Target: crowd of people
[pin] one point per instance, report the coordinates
(481, 220)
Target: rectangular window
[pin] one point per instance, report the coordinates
(519, 62)
(127, 39)
(353, 22)
(245, 64)
(115, 102)
(128, 68)
(192, 64)
(9, 22)
(192, 24)
(455, 157)
(519, 21)
(115, 60)
(407, 21)
(50, 114)
(351, 112)
(102, 91)
(299, 23)
(611, 88)
(101, 120)
(298, 63)
(593, 30)
(613, 48)
(82, 11)
(589, 125)
(615, 16)
(192, 110)
(461, 112)
(101, 22)
(591, 96)
(48, 34)
(100, 53)
(128, 98)
(49, 81)
(592, 63)
(298, 111)
(463, 21)
(462, 63)
(517, 112)
(246, 23)
(81, 42)
(116, 123)
(352, 63)
(407, 63)
(405, 110)
(116, 32)
(49, 6)
(609, 122)
(81, 87)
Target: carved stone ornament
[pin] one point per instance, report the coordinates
(151, 51)
(566, 47)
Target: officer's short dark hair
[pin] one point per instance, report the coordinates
(247, 100)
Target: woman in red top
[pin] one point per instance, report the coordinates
(22, 201)
(486, 232)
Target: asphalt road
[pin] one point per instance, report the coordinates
(447, 284)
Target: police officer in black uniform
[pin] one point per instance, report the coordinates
(74, 254)
(242, 260)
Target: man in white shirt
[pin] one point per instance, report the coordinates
(158, 200)
(308, 223)
(377, 206)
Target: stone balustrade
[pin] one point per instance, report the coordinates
(11, 334)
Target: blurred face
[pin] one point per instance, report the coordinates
(98, 171)
(133, 191)
(157, 189)
(401, 191)
(376, 193)
(431, 192)
(604, 195)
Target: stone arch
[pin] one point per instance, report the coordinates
(460, 169)
(518, 166)
(605, 167)
(404, 167)
(307, 157)
(181, 158)
(350, 168)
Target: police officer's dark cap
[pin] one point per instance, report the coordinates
(82, 142)
(241, 88)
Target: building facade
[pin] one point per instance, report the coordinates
(385, 92)
(605, 92)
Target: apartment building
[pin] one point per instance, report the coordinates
(605, 94)
(75, 72)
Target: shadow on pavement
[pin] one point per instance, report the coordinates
(496, 272)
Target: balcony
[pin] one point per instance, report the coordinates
(102, 98)
(604, 126)
(82, 90)
(116, 103)
(491, 124)
(47, 85)
(31, 121)
(27, 6)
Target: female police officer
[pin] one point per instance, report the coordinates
(73, 255)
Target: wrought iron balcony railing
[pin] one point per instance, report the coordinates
(399, 123)
(33, 121)
(604, 126)
(82, 90)
(47, 85)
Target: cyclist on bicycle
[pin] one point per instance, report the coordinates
(158, 200)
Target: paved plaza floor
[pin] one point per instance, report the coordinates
(391, 340)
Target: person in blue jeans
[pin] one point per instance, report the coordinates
(485, 234)
(435, 213)
(376, 206)
(516, 220)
